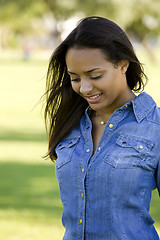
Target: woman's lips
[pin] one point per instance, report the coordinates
(94, 98)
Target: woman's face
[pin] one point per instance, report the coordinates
(101, 83)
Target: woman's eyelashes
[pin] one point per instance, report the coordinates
(96, 77)
(91, 77)
(75, 79)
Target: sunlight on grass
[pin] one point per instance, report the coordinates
(23, 151)
(18, 230)
(151, 68)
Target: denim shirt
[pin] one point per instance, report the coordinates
(107, 196)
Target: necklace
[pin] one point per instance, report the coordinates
(101, 122)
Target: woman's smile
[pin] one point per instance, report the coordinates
(94, 98)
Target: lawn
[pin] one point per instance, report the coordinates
(30, 208)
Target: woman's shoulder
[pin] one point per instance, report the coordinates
(146, 106)
(154, 115)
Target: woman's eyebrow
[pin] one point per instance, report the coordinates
(89, 71)
(71, 73)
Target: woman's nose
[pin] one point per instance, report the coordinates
(86, 87)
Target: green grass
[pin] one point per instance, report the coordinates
(29, 201)
(30, 208)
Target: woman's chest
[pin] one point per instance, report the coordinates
(117, 156)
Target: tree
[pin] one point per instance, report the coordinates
(140, 18)
(16, 17)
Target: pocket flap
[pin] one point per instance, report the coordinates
(139, 144)
(64, 151)
(67, 143)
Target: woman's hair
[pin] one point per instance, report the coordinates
(64, 108)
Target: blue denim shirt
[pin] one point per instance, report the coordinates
(107, 196)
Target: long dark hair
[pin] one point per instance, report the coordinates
(64, 108)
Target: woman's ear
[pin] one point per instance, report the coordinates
(123, 64)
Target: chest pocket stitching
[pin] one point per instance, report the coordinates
(142, 147)
(66, 144)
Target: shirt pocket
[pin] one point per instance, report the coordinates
(128, 152)
(64, 151)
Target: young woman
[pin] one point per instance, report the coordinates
(105, 139)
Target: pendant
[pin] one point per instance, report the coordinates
(103, 122)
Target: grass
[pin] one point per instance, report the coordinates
(29, 201)
(30, 208)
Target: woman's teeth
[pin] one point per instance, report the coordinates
(94, 97)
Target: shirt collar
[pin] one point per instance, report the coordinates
(88, 110)
(142, 105)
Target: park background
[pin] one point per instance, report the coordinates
(30, 208)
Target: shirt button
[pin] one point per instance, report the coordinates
(88, 150)
(99, 148)
(80, 220)
(110, 125)
(82, 169)
(141, 147)
(126, 105)
(81, 194)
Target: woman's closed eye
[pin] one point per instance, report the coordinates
(96, 77)
(75, 79)
(91, 77)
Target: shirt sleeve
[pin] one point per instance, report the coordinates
(158, 177)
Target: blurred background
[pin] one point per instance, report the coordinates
(30, 208)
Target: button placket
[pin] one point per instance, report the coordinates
(81, 217)
(81, 211)
(86, 155)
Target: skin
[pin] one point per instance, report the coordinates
(99, 81)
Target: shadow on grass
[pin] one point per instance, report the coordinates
(25, 137)
(29, 186)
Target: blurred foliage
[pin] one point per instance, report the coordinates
(18, 15)
(65, 8)
(140, 18)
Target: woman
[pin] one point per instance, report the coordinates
(105, 138)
